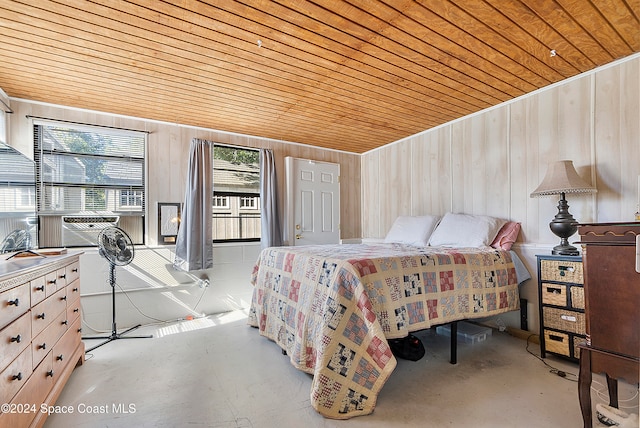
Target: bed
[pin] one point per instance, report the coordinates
(331, 308)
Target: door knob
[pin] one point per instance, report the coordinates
(298, 236)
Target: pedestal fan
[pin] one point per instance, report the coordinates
(115, 245)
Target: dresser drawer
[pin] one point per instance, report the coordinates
(15, 376)
(45, 312)
(15, 337)
(44, 342)
(51, 283)
(564, 319)
(61, 278)
(73, 291)
(73, 272)
(73, 310)
(577, 297)
(38, 290)
(557, 342)
(554, 294)
(63, 350)
(14, 302)
(561, 271)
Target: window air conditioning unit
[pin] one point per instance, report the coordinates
(83, 230)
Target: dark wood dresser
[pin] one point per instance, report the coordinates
(612, 309)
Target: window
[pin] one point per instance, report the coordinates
(248, 202)
(221, 202)
(236, 194)
(90, 171)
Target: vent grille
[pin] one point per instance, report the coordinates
(83, 231)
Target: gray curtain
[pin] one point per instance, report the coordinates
(270, 230)
(194, 243)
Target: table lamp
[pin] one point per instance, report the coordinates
(562, 178)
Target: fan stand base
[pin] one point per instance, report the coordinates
(114, 336)
(114, 330)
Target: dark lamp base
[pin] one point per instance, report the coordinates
(563, 226)
(565, 250)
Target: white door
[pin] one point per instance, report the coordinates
(313, 202)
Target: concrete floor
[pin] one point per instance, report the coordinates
(219, 372)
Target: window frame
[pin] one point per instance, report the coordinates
(55, 182)
(219, 212)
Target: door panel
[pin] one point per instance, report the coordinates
(313, 202)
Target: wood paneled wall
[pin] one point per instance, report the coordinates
(489, 163)
(168, 150)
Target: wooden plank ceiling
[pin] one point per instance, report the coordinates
(349, 75)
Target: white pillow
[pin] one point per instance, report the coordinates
(412, 230)
(466, 230)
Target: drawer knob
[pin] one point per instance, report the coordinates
(60, 357)
(15, 302)
(76, 310)
(40, 288)
(63, 276)
(43, 346)
(16, 339)
(52, 281)
(40, 316)
(63, 298)
(75, 289)
(65, 322)
(50, 373)
(74, 270)
(80, 330)
(17, 377)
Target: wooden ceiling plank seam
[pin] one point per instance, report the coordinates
(442, 107)
(491, 39)
(365, 101)
(361, 79)
(634, 7)
(464, 41)
(520, 13)
(500, 79)
(379, 44)
(555, 15)
(443, 93)
(622, 19)
(199, 124)
(415, 25)
(310, 107)
(398, 33)
(364, 80)
(111, 87)
(525, 31)
(594, 23)
(402, 64)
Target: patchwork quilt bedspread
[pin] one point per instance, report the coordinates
(333, 307)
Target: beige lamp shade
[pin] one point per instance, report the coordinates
(562, 177)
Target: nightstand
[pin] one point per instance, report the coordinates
(561, 304)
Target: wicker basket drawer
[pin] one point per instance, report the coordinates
(577, 340)
(563, 319)
(554, 294)
(577, 297)
(557, 342)
(561, 270)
